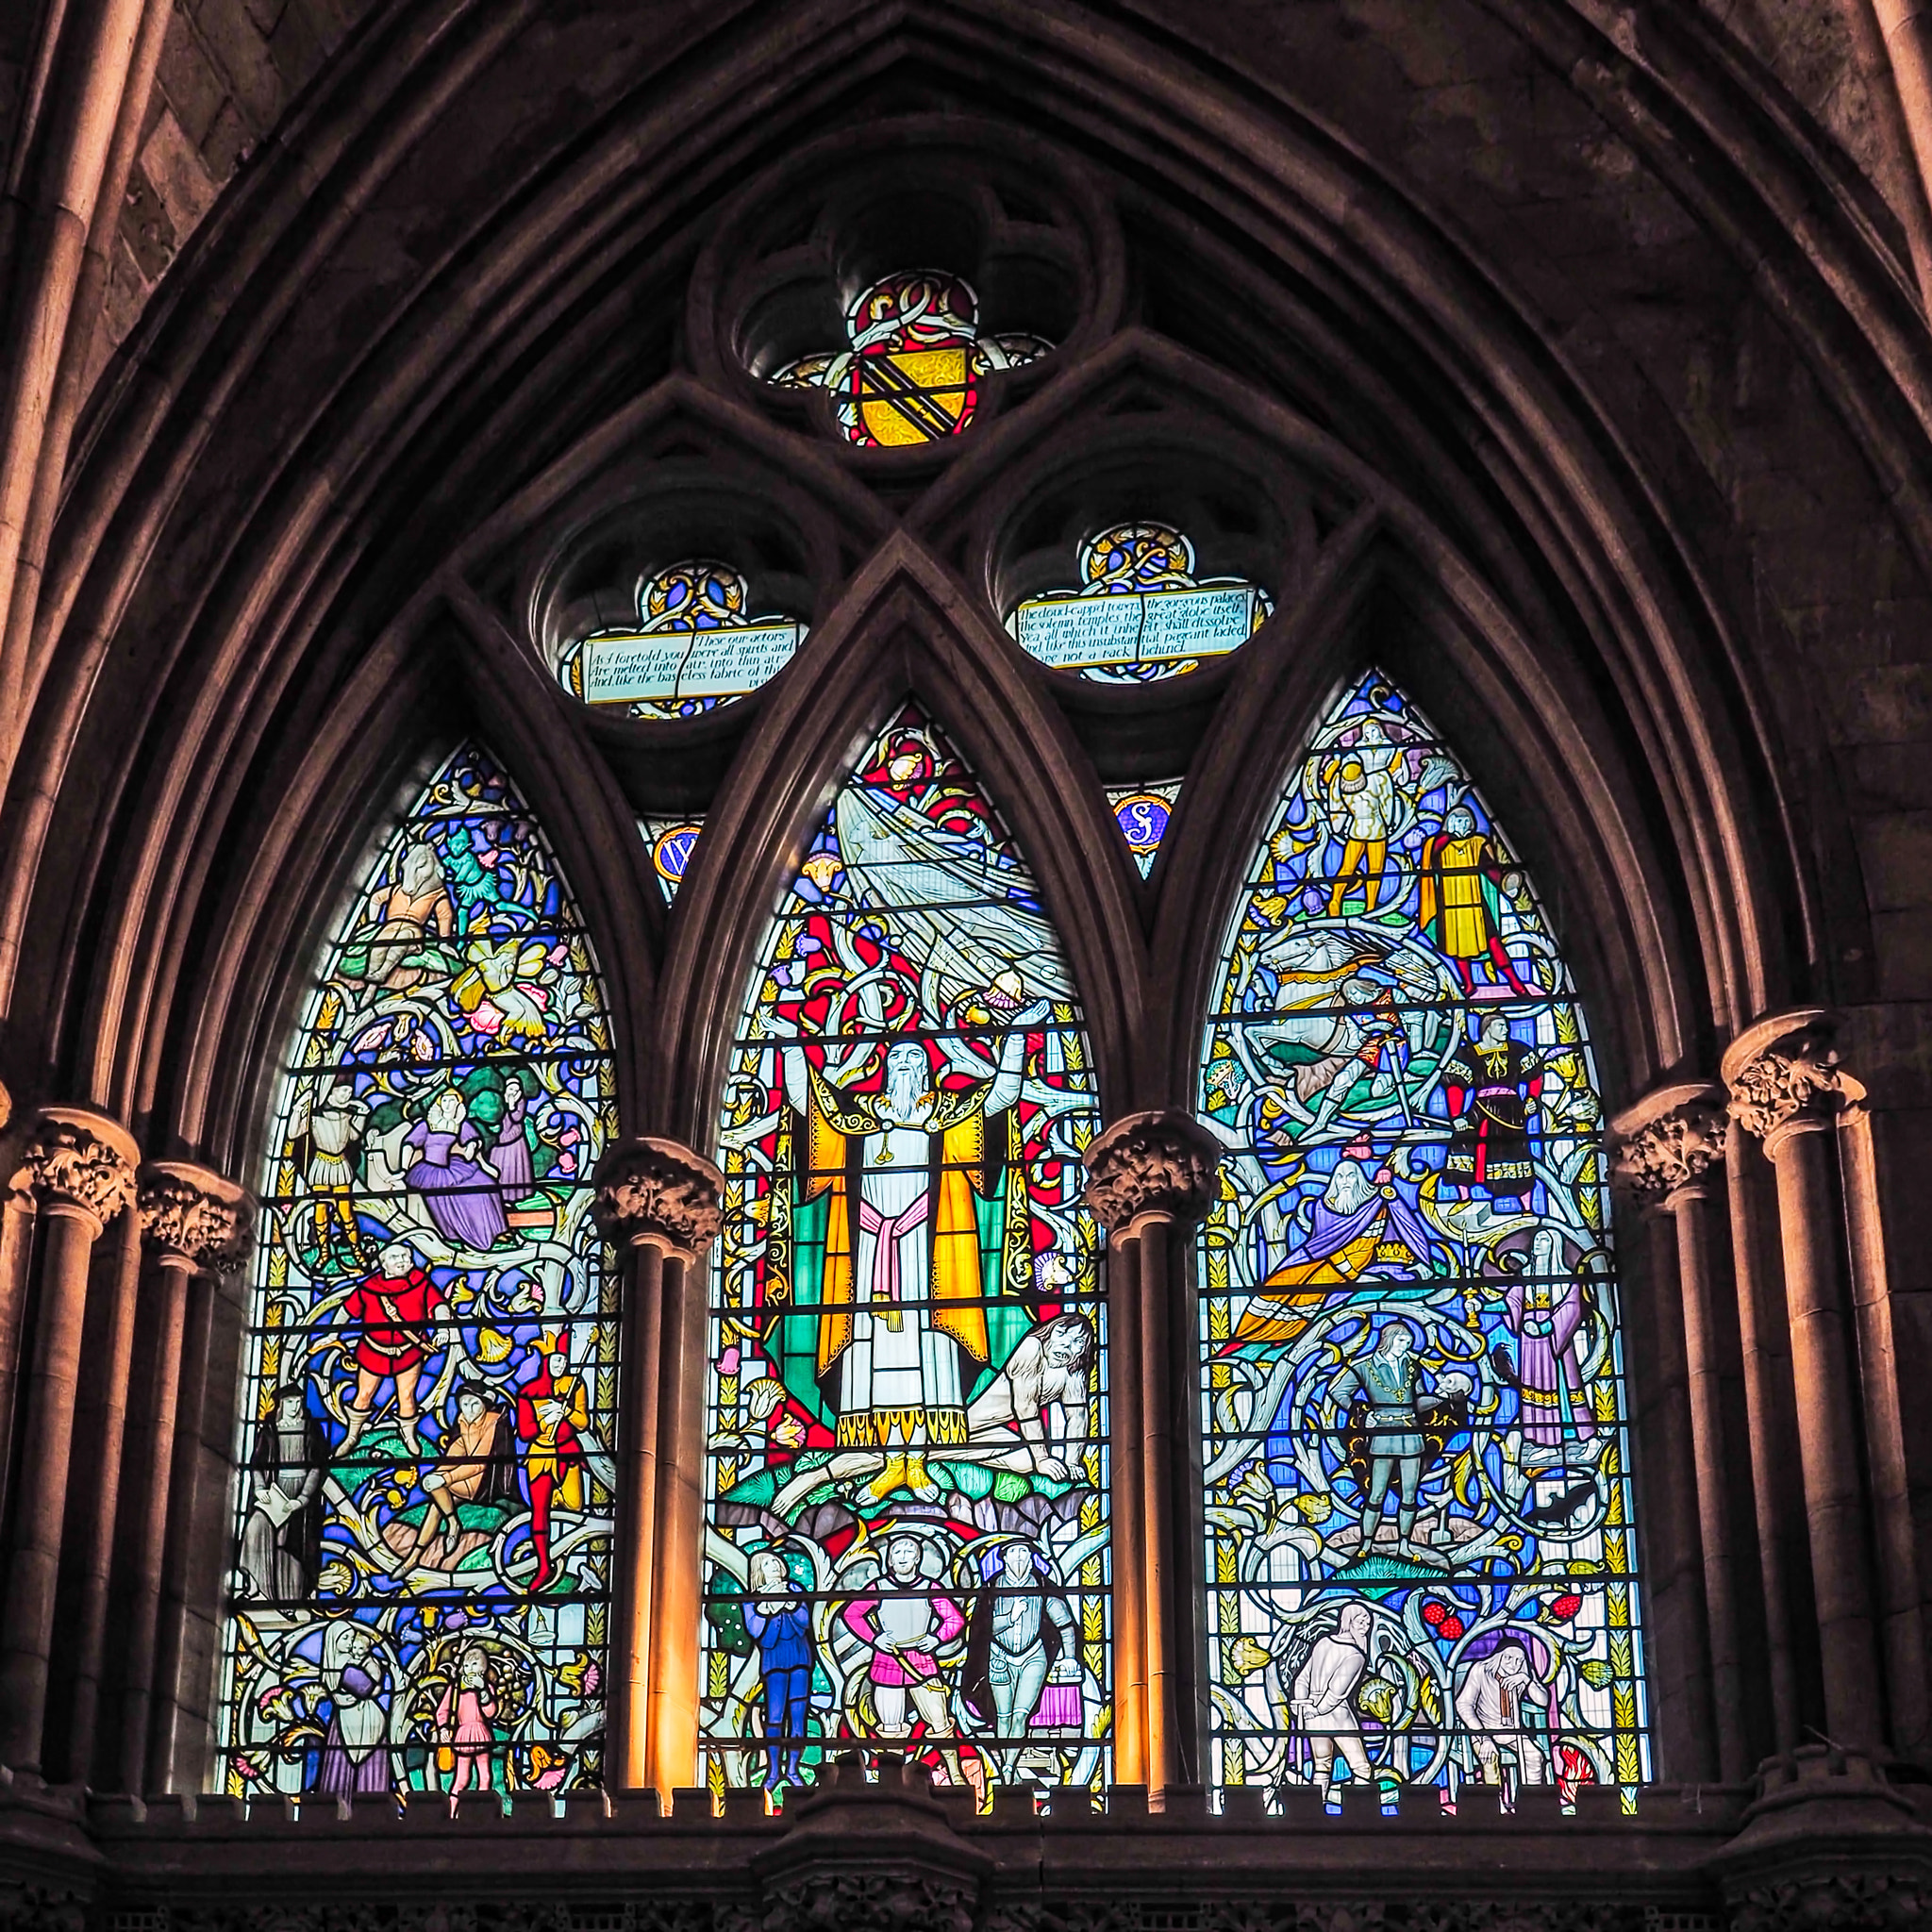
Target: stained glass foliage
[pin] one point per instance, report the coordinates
(1139, 612)
(1421, 1554)
(694, 646)
(908, 1533)
(1142, 812)
(914, 355)
(423, 1534)
(672, 842)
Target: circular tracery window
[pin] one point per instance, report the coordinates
(910, 371)
(695, 645)
(1139, 612)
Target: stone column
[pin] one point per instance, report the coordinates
(82, 1165)
(1785, 1088)
(192, 1222)
(1672, 1141)
(1151, 1179)
(94, 1478)
(657, 1202)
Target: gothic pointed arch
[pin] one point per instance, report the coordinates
(908, 1484)
(421, 1549)
(905, 628)
(1421, 1552)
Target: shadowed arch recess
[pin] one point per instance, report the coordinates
(909, 1527)
(420, 1554)
(1420, 1551)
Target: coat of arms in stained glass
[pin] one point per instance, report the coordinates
(1139, 612)
(694, 646)
(422, 1541)
(910, 371)
(1421, 1555)
(908, 1533)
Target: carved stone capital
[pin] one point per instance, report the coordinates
(1785, 1077)
(1151, 1163)
(650, 1188)
(1673, 1149)
(78, 1159)
(189, 1211)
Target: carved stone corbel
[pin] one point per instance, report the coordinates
(1164, 1163)
(1664, 1151)
(654, 1189)
(1785, 1079)
(188, 1212)
(81, 1161)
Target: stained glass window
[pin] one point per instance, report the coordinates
(908, 1465)
(1420, 1557)
(1139, 612)
(423, 1537)
(1142, 812)
(694, 645)
(914, 354)
(672, 842)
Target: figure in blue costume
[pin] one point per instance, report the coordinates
(779, 1621)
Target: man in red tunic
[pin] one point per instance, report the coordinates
(395, 1308)
(551, 1410)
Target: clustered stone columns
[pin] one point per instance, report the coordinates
(1672, 1142)
(659, 1203)
(194, 1226)
(1788, 1091)
(81, 1166)
(1151, 1179)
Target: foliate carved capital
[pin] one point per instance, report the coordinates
(82, 1160)
(188, 1212)
(649, 1187)
(1676, 1148)
(1786, 1080)
(1153, 1163)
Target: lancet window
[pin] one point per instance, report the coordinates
(908, 1519)
(1420, 1557)
(422, 1544)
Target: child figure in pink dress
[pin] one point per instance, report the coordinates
(471, 1704)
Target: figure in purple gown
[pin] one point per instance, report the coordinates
(510, 1155)
(458, 1192)
(354, 1760)
(1545, 1308)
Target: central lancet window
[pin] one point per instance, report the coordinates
(422, 1547)
(908, 1523)
(1420, 1557)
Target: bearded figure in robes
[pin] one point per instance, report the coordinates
(899, 1276)
(1359, 1226)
